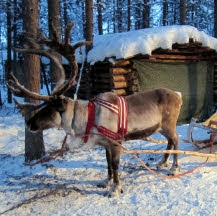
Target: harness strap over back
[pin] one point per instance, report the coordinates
(123, 116)
(121, 110)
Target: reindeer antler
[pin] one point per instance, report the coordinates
(68, 51)
(18, 90)
(46, 47)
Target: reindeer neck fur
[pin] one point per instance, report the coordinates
(78, 123)
(103, 117)
(80, 117)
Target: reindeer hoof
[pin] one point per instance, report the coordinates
(115, 191)
(174, 170)
(162, 165)
(114, 194)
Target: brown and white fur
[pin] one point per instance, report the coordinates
(148, 112)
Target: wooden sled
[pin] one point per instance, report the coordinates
(210, 125)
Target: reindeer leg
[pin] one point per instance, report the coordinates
(175, 167)
(164, 161)
(172, 137)
(107, 181)
(116, 187)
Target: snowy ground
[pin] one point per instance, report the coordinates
(68, 185)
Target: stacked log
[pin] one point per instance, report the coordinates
(119, 77)
(124, 77)
(189, 52)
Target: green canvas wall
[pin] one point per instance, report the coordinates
(194, 80)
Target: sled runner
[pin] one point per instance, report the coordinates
(210, 125)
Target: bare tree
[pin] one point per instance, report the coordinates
(146, 14)
(83, 9)
(119, 15)
(114, 16)
(34, 145)
(138, 15)
(165, 12)
(9, 45)
(215, 18)
(65, 13)
(54, 23)
(128, 15)
(89, 22)
(1, 103)
(99, 11)
(182, 12)
(15, 10)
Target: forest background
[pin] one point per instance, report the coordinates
(107, 17)
(91, 17)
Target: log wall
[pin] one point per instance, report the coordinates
(121, 76)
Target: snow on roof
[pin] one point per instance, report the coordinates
(144, 41)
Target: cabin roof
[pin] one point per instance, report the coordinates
(129, 44)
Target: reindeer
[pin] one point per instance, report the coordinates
(148, 112)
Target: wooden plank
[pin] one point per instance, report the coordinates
(177, 61)
(122, 63)
(120, 70)
(181, 57)
(119, 85)
(120, 92)
(169, 152)
(208, 122)
(187, 52)
(130, 78)
(187, 45)
(119, 78)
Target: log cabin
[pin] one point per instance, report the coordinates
(181, 58)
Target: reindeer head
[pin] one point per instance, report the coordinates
(50, 113)
(49, 116)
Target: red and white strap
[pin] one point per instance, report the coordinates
(121, 110)
(123, 116)
(112, 107)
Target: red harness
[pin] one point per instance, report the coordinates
(121, 110)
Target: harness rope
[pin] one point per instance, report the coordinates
(164, 176)
(122, 111)
(84, 59)
(46, 159)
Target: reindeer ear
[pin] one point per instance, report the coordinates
(25, 108)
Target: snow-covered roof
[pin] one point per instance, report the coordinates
(144, 41)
